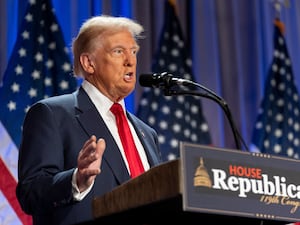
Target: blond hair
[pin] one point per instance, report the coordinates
(96, 27)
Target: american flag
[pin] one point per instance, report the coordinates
(39, 67)
(175, 118)
(277, 129)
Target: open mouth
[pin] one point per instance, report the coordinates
(128, 76)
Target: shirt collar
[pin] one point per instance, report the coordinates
(101, 102)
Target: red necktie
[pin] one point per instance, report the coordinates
(132, 155)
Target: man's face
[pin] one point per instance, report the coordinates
(115, 65)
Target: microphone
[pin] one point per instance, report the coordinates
(166, 80)
(161, 79)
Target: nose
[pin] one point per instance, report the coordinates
(127, 63)
(130, 58)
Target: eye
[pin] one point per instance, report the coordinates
(118, 51)
(134, 51)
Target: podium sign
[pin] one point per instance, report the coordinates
(238, 183)
(209, 184)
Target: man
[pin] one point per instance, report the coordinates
(71, 150)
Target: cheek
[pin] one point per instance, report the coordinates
(106, 65)
(114, 63)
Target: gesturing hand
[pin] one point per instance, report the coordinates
(89, 162)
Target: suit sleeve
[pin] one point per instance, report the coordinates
(43, 182)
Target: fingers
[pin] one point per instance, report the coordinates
(92, 139)
(89, 161)
(90, 156)
(101, 145)
(88, 147)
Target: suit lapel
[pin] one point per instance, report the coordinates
(143, 138)
(112, 156)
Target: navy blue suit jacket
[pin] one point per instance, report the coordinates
(54, 132)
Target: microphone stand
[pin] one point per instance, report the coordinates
(210, 95)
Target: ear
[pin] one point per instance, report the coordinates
(86, 63)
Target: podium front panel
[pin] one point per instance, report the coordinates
(238, 183)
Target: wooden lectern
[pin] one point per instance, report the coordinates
(154, 198)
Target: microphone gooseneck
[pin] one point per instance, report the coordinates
(166, 81)
(161, 80)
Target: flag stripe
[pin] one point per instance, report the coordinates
(8, 151)
(8, 187)
(39, 67)
(8, 215)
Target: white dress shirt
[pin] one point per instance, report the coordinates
(103, 104)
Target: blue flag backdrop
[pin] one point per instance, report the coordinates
(39, 67)
(277, 128)
(175, 118)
